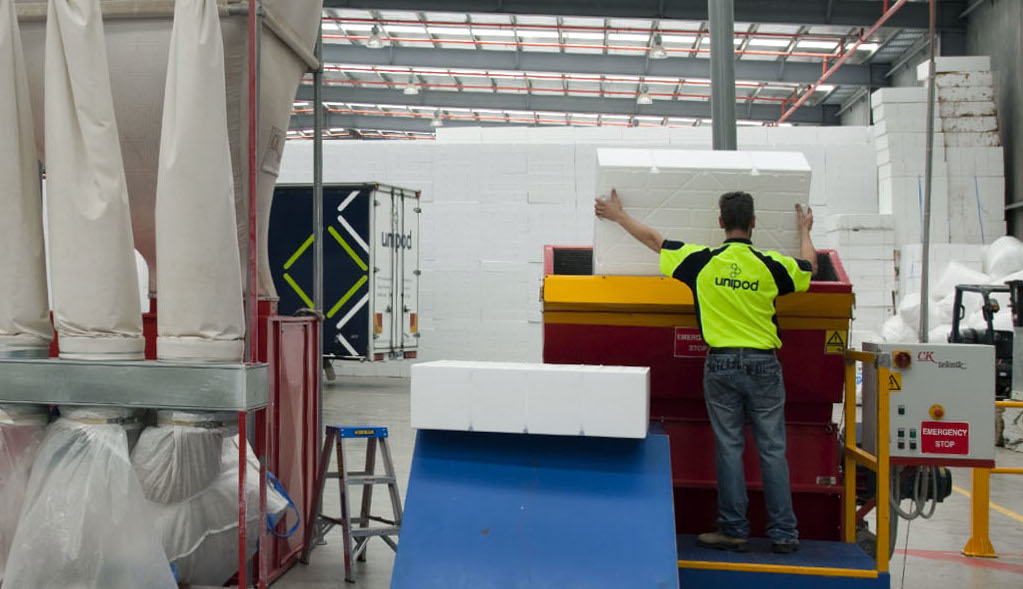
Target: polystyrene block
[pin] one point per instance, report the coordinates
(676, 192)
(989, 139)
(898, 95)
(970, 124)
(965, 94)
(981, 108)
(603, 401)
(945, 80)
(976, 63)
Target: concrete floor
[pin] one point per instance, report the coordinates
(932, 559)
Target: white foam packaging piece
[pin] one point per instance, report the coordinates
(552, 399)
(677, 191)
(976, 63)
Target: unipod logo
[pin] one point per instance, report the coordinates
(396, 240)
(928, 356)
(735, 282)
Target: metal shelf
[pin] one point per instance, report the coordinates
(142, 384)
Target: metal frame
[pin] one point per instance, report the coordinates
(853, 456)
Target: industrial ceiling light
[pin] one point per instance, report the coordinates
(411, 88)
(644, 95)
(375, 41)
(437, 121)
(657, 50)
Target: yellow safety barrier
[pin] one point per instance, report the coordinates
(979, 544)
(853, 455)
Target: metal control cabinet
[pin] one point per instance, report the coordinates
(371, 266)
(941, 404)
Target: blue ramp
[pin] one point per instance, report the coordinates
(527, 511)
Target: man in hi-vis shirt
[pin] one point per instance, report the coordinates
(734, 287)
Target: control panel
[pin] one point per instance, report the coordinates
(941, 404)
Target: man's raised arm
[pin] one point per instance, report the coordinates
(611, 209)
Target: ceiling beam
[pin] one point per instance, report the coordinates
(854, 13)
(822, 115)
(609, 65)
(334, 120)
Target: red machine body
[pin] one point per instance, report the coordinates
(651, 321)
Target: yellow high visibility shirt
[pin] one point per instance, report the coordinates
(734, 287)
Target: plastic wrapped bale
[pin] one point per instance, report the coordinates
(181, 456)
(85, 523)
(1003, 257)
(21, 429)
(953, 275)
(200, 534)
(897, 330)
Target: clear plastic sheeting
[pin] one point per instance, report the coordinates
(85, 523)
(180, 456)
(95, 301)
(21, 429)
(24, 312)
(199, 277)
(200, 534)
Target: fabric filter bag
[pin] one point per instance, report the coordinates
(93, 277)
(85, 523)
(24, 310)
(21, 430)
(200, 533)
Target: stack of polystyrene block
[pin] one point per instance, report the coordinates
(900, 125)
(909, 265)
(866, 246)
(602, 401)
(676, 192)
(968, 121)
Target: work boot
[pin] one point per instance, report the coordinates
(785, 547)
(719, 541)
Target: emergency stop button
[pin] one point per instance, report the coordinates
(937, 412)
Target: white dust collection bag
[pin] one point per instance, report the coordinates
(21, 429)
(200, 533)
(85, 523)
(198, 277)
(24, 311)
(181, 455)
(95, 299)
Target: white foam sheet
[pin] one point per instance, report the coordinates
(199, 277)
(24, 309)
(600, 401)
(95, 301)
(677, 191)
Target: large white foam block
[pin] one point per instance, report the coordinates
(677, 191)
(553, 399)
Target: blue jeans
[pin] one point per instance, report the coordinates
(738, 386)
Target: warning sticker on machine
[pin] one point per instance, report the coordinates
(689, 343)
(937, 437)
(894, 382)
(834, 342)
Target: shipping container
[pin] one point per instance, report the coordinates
(370, 266)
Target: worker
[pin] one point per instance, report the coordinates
(734, 287)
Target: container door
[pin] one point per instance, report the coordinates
(347, 260)
(409, 262)
(384, 271)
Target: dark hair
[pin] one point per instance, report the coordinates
(736, 210)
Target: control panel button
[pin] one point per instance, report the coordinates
(902, 409)
(937, 412)
(912, 432)
(902, 445)
(912, 445)
(902, 432)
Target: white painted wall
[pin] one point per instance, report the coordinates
(493, 197)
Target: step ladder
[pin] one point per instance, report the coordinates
(355, 531)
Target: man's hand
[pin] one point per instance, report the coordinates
(804, 220)
(610, 209)
(806, 249)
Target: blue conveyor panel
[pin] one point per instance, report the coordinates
(490, 510)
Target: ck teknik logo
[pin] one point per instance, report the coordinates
(734, 281)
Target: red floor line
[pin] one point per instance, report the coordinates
(958, 558)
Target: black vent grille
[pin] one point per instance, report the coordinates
(578, 262)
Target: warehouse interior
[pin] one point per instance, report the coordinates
(326, 293)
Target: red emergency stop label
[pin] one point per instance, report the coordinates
(938, 437)
(689, 343)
